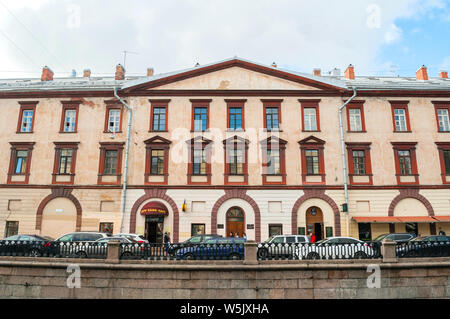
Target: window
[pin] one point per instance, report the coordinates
(276, 230)
(197, 229)
(11, 228)
(69, 116)
(236, 171)
(199, 166)
(444, 158)
(446, 154)
(26, 117)
(365, 231)
(360, 170)
(312, 159)
(199, 161)
(200, 115)
(355, 117)
(412, 228)
(65, 157)
(157, 160)
(235, 118)
(65, 160)
(359, 163)
(405, 162)
(236, 162)
(19, 167)
(158, 121)
(113, 117)
(400, 116)
(106, 228)
(310, 115)
(312, 162)
(110, 168)
(273, 160)
(442, 109)
(272, 114)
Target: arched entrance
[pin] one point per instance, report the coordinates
(59, 217)
(235, 222)
(314, 222)
(154, 213)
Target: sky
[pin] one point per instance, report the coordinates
(384, 38)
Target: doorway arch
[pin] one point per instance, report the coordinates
(314, 222)
(235, 219)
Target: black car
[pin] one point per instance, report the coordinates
(198, 239)
(427, 246)
(397, 237)
(27, 245)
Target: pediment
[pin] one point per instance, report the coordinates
(311, 140)
(157, 140)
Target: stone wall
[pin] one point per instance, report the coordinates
(47, 278)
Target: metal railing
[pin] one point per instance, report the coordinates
(308, 251)
(53, 249)
(423, 249)
(220, 251)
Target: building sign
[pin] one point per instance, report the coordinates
(154, 209)
(219, 226)
(250, 226)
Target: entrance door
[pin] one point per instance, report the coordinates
(314, 222)
(154, 229)
(235, 222)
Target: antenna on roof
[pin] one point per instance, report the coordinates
(125, 56)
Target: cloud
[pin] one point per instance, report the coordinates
(172, 35)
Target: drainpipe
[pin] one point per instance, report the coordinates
(127, 147)
(344, 162)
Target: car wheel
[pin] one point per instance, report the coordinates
(126, 254)
(313, 256)
(81, 254)
(263, 253)
(360, 255)
(234, 256)
(188, 256)
(34, 253)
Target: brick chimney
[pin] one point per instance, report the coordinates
(47, 74)
(150, 71)
(317, 72)
(87, 73)
(274, 65)
(443, 75)
(421, 73)
(120, 72)
(350, 72)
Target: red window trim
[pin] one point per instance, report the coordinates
(69, 105)
(206, 145)
(236, 142)
(367, 161)
(58, 147)
(400, 105)
(441, 105)
(110, 146)
(26, 105)
(443, 146)
(111, 105)
(159, 103)
(232, 103)
(156, 143)
(312, 143)
(406, 146)
(272, 103)
(20, 146)
(310, 104)
(356, 105)
(267, 145)
(200, 103)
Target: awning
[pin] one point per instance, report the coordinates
(376, 219)
(442, 218)
(416, 219)
(399, 219)
(154, 209)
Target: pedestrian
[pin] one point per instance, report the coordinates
(166, 241)
(441, 232)
(313, 238)
(231, 234)
(237, 234)
(244, 236)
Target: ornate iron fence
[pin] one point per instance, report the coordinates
(423, 249)
(219, 251)
(286, 251)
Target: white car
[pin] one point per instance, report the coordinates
(280, 246)
(138, 238)
(336, 248)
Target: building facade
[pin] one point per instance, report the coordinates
(231, 147)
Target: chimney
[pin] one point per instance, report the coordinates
(421, 73)
(150, 71)
(350, 72)
(120, 72)
(443, 74)
(335, 72)
(47, 74)
(317, 72)
(274, 65)
(86, 73)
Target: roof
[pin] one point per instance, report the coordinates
(361, 83)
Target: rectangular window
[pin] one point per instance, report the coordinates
(197, 229)
(200, 118)
(159, 119)
(11, 229)
(65, 161)
(157, 162)
(446, 154)
(272, 118)
(21, 162)
(312, 162)
(359, 162)
(110, 163)
(443, 120)
(404, 159)
(236, 161)
(199, 162)
(309, 119)
(106, 228)
(412, 228)
(275, 230)
(273, 162)
(400, 120)
(114, 120)
(355, 120)
(70, 117)
(235, 118)
(365, 231)
(27, 121)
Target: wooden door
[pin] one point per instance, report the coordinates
(235, 222)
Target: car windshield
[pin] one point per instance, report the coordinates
(268, 240)
(210, 241)
(321, 241)
(380, 237)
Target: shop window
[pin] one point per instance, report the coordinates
(197, 229)
(365, 231)
(412, 228)
(11, 228)
(275, 229)
(106, 228)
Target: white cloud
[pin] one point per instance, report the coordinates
(172, 35)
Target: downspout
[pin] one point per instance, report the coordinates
(127, 147)
(344, 162)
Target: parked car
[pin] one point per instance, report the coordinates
(397, 237)
(198, 239)
(98, 248)
(26, 245)
(280, 245)
(138, 238)
(82, 236)
(426, 246)
(215, 248)
(337, 248)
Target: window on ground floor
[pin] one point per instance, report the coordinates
(106, 228)
(11, 228)
(365, 232)
(275, 230)
(197, 229)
